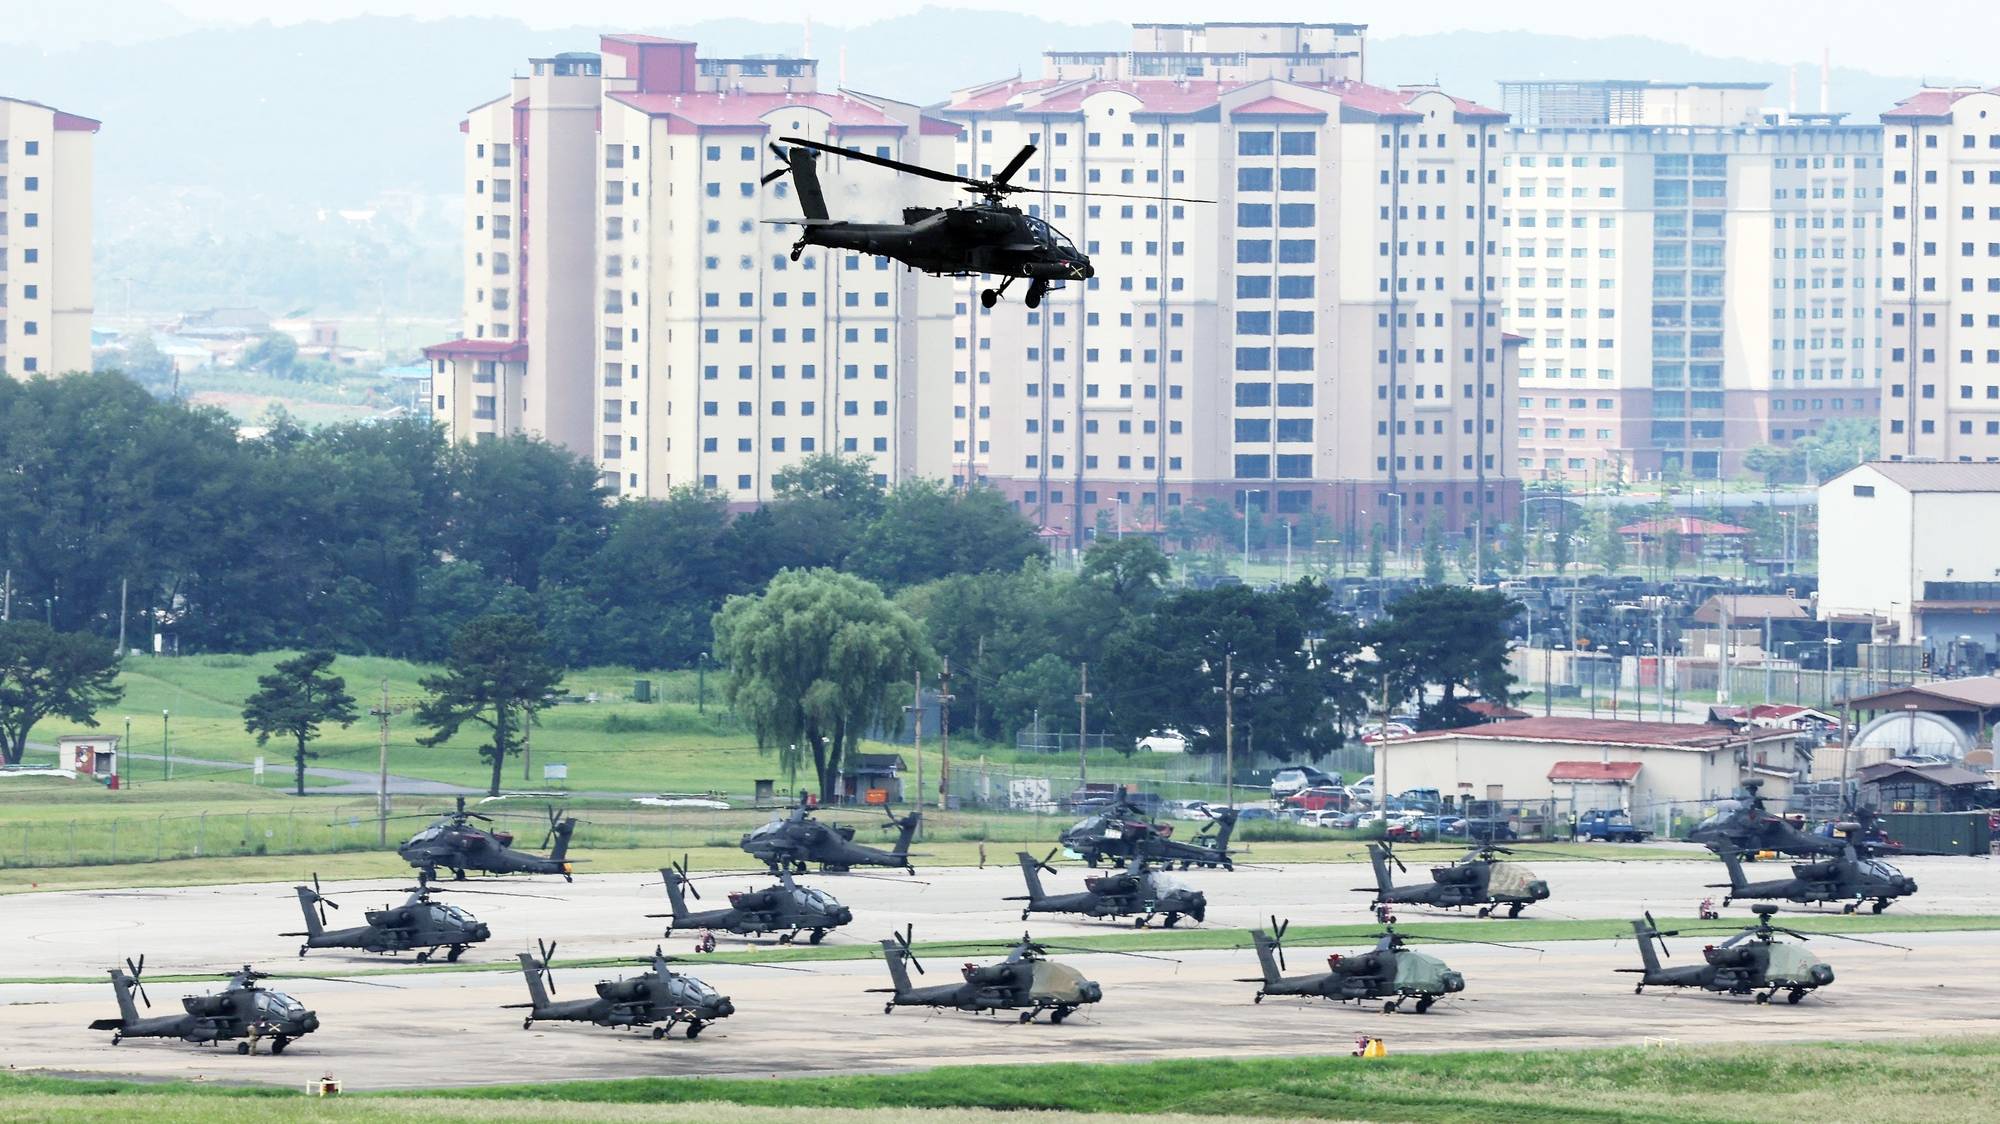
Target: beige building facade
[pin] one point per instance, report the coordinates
(46, 298)
(1321, 337)
(1693, 275)
(1941, 296)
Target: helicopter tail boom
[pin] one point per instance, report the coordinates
(899, 973)
(307, 899)
(1265, 957)
(128, 1011)
(1033, 876)
(802, 164)
(533, 969)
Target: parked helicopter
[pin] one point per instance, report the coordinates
(787, 909)
(799, 839)
(241, 1011)
(1753, 962)
(1026, 981)
(1479, 878)
(1136, 890)
(1391, 972)
(1123, 831)
(660, 998)
(454, 843)
(1750, 827)
(1848, 879)
(419, 923)
(986, 237)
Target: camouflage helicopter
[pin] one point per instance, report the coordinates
(661, 998)
(242, 1011)
(1123, 831)
(1750, 827)
(1849, 879)
(799, 839)
(1391, 972)
(787, 909)
(1026, 980)
(419, 923)
(1479, 878)
(1753, 962)
(1137, 889)
(453, 842)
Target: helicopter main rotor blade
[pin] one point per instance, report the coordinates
(1099, 951)
(1466, 940)
(1841, 937)
(1007, 173)
(1108, 194)
(884, 161)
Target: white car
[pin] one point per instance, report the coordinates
(1185, 809)
(1363, 789)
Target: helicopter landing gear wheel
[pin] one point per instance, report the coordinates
(1027, 1016)
(797, 249)
(1849, 907)
(457, 950)
(1389, 1008)
(1485, 912)
(694, 1030)
(528, 1022)
(1173, 919)
(242, 1047)
(1763, 997)
(988, 297)
(1059, 1014)
(659, 1032)
(1036, 289)
(457, 874)
(1638, 989)
(1514, 910)
(1257, 998)
(302, 951)
(1794, 996)
(1880, 905)
(1424, 1004)
(423, 957)
(816, 936)
(279, 1043)
(888, 1008)
(1138, 922)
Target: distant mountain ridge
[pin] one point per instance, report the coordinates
(276, 126)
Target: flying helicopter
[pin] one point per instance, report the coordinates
(1849, 879)
(1026, 980)
(660, 998)
(985, 237)
(1391, 972)
(799, 839)
(1137, 890)
(1753, 962)
(419, 923)
(242, 1011)
(786, 909)
(1124, 830)
(1479, 878)
(453, 842)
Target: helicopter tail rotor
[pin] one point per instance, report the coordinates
(802, 164)
(135, 971)
(903, 946)
(1042, 864)
(1278, 938)
(548, 951)
(680, 872)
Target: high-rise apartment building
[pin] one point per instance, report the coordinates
(1692, 274)
(45, 223)
(1941, 296)
(1322, 336)
(648, 296)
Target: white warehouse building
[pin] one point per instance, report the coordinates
(1916, 546)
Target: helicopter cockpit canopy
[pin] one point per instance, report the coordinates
(1048, 235)
(812, 899)
(278, 1005)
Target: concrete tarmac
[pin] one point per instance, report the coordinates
(449, 1028)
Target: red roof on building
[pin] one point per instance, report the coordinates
(1496, 712)
(1687, 525)
(1929, 103)
(748, 111)
(1277, 107)
(1595, 772)
(1599, 731)
(507, 351)
(1181, 98)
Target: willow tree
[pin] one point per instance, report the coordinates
(813, 661)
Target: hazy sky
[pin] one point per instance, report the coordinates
(1939, 37)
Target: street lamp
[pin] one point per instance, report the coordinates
(1400, 561)
(1247, 493)
(166, 748)
(701, 684)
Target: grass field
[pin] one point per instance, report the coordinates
(1812, 1083)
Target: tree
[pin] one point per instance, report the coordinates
(49, 674)
(1133, 569)
(516, 499)
(1609, 544)
(1292, 656)
(1561, 548)
(293, 701)
(814, 659)
(1434, 552)
(496, 669)
(274, 353)
(927, 530)
(1449, 637)
(1514, 547)
(1375, 537)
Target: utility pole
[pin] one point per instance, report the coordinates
(916, 709)
(381, 713)
(527, 742)
(1660, 660)
(1548, 684)
(124, 587)
(1083, 726)
(945, 698)
(166, 749)
(1229, 725)
(1722, 680)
